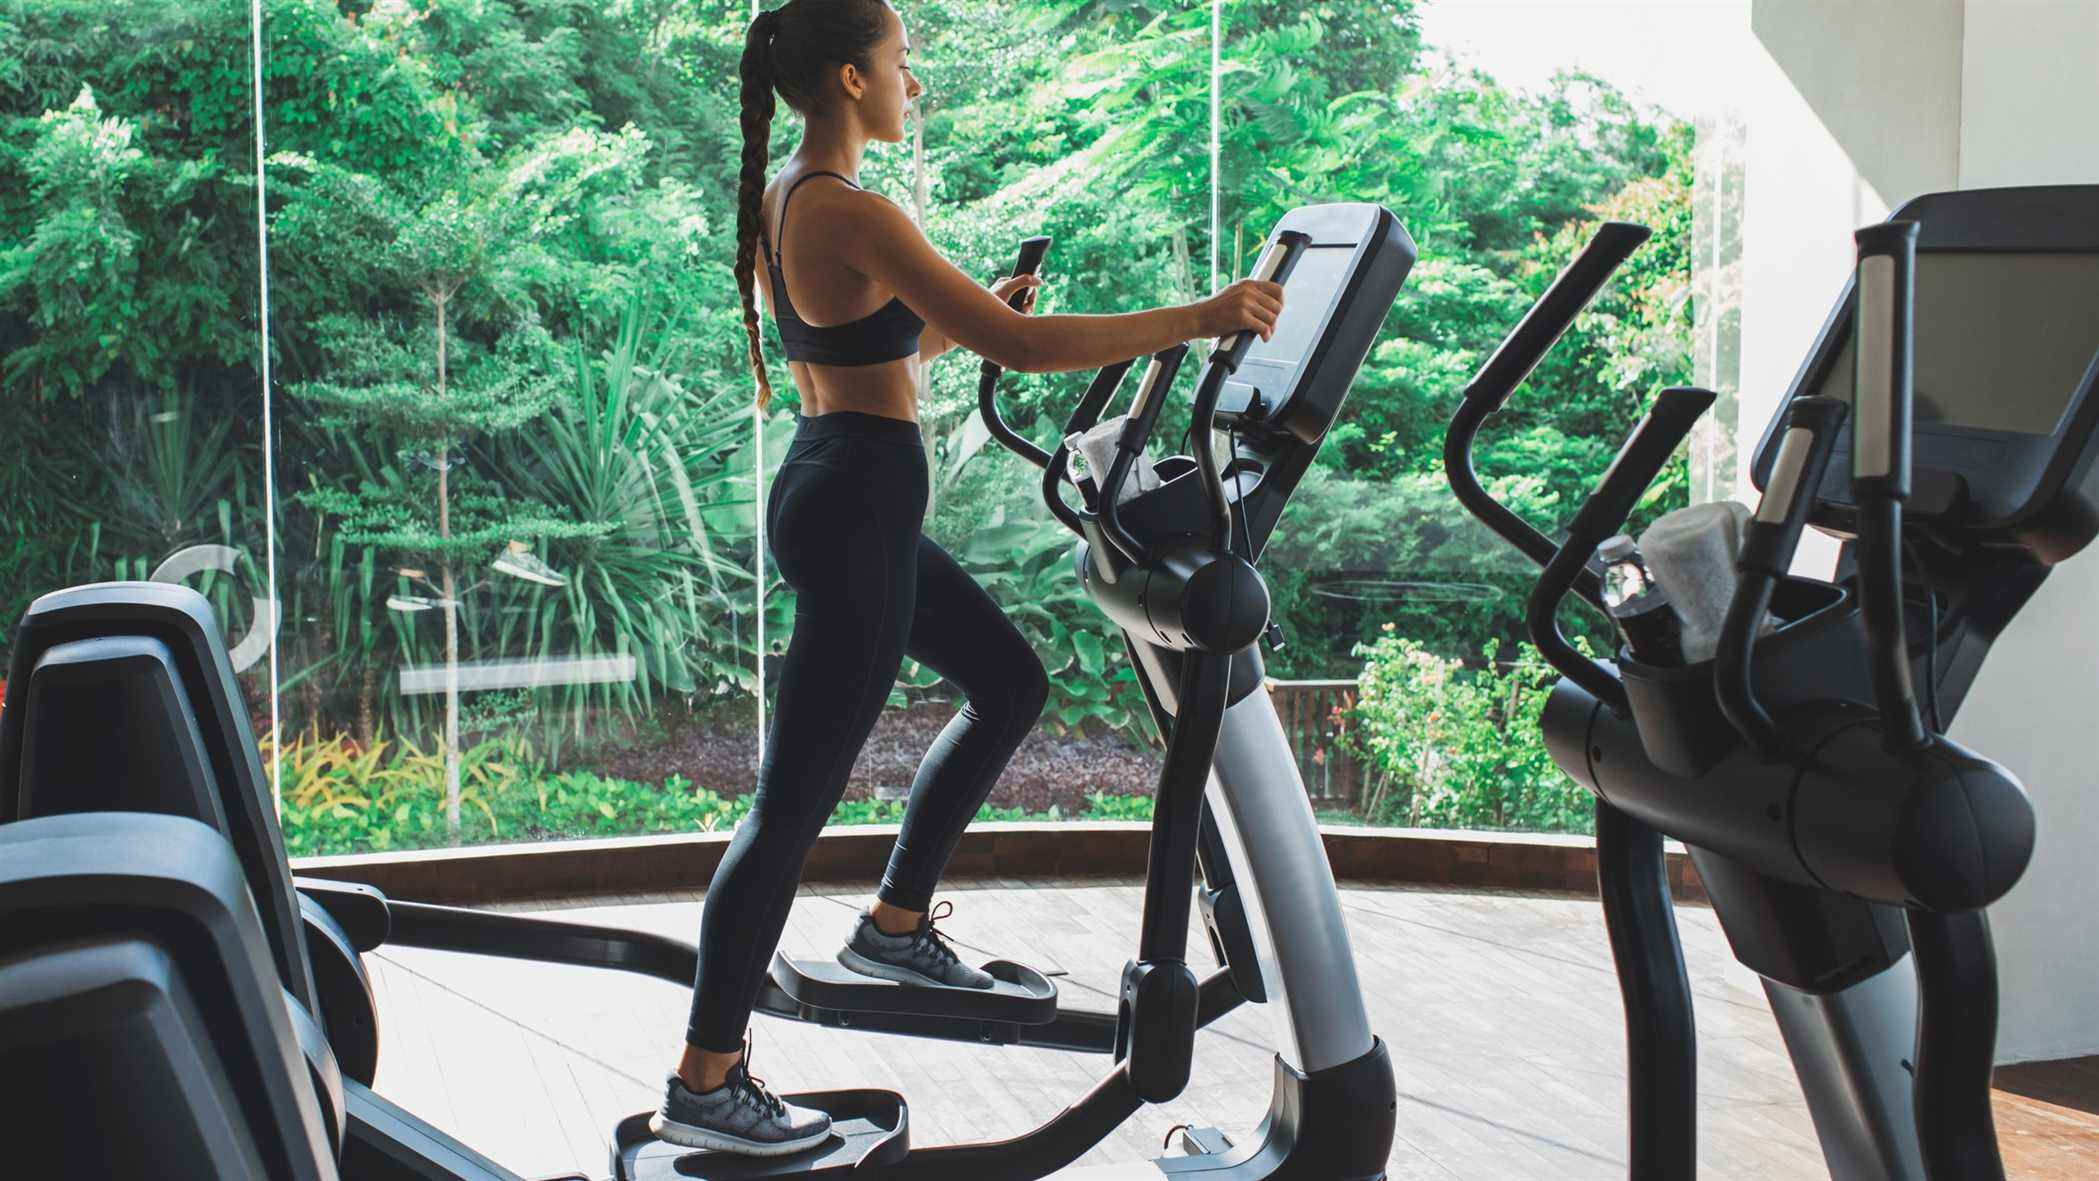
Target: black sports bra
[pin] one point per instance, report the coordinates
(888, 333)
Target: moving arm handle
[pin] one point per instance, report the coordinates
(1274, 266)
(1804, 452)
(1883, 325)
(1554, 313)
(1083, 418)
(1512, 362)
(1129, 445)
(1032, 251)
(1671, 418)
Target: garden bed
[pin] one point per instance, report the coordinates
(691, 774)
(1048, 772)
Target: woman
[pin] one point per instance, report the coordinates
(863, 301)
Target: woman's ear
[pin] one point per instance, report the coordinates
(852, 81)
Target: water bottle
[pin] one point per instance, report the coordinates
(1079, 471)
(1639, 606)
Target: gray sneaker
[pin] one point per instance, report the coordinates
(740, 1116)
(918, 957)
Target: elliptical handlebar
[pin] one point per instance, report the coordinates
(1082, 419)
(1136, 434)
(1511, 363)
(1653, 441)
(1768, 545)
(1554, 313)
(1884, 325)
(1032, 251)
(1275, 265)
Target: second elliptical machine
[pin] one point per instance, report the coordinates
(1772, 722)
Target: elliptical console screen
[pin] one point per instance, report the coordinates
(1311, 292)
(2003, 339)
(2006, 417)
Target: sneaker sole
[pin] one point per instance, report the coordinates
(856, 962)
(709, 1140)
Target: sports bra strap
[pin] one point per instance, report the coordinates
(780, 235)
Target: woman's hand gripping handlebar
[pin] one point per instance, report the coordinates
(1275, 266)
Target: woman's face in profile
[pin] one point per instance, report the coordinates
(889, 87)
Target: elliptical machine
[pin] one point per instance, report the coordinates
(1170, 554)
(1943, 428)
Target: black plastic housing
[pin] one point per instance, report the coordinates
(1975, 487)
(180, 620)
(1938, 828)
(1187, 597)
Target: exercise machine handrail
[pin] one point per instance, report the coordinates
(1032, 251)
(1129, 446)
(1880, 463)
(1511, 363)
(1083, 418)
(1274, 266)
(1653, 441)
(1767, 552)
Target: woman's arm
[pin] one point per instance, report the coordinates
(884, 245)
(933, 342)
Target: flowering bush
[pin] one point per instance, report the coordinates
(1458, 746)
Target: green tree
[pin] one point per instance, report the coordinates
(468, 253)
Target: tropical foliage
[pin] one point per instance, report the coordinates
(501, 321)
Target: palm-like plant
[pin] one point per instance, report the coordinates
(660, 474)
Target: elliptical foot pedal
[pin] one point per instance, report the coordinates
(1022, 996)
(869, 1129)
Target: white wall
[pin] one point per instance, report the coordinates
(1883, 78)
(1855, 108)
(1871, 103)
(2030, 115)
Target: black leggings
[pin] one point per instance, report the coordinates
(844, 518)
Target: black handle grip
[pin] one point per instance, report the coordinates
(1671, 418)
(1554, 312)
(1136, 435)
(1809, 440)
(1884, 329)
(1083, 418)
(1881, 324)
(1804, 451)
(1653, 441)
(1275, 266)
(1032, 251)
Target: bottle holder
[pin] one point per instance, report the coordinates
(1817, 652)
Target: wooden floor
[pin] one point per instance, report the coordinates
(1501, 1011)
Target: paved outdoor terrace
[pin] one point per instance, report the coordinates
(1500, 1008)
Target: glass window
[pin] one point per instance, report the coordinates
(515, 449)
(1405, 682)
(131, 442)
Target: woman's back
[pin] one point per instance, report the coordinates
(851, 344)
